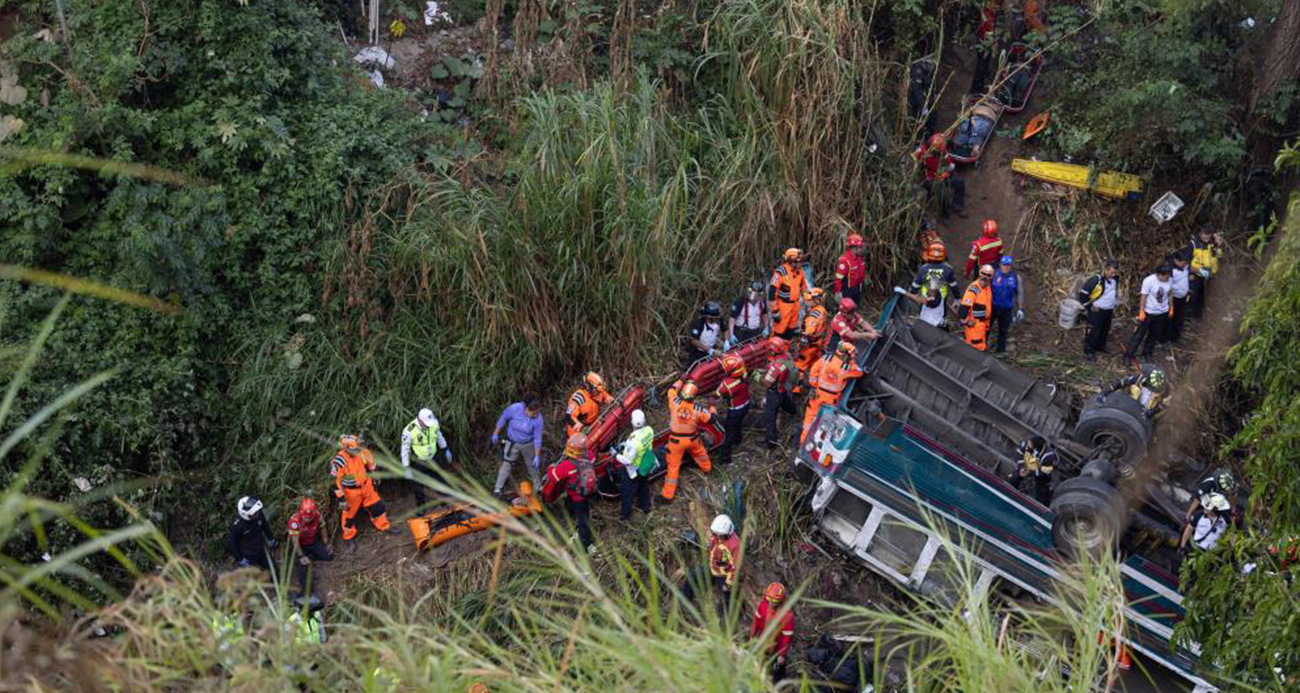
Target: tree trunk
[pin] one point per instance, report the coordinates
(1280, 60)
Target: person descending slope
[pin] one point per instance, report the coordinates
(423, 440)
(781, 628)
(684, 419)
(830, 375)
(986, 250)
(851, 269)
(250, 537)
(1149, 389)
(784, 292)
(724, 558)
(308, 546)
(813, 340)
(585, 403)
(354, 488)
(575, 475)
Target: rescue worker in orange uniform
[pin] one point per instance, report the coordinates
(585, 403)
(829, 376)
(684, 419)
(735, 390)
(986, 250)
(784, 292)
(767, 616)
(813, 340)
(354, 488)
(778, 380)
(724, 558)
(976, 309)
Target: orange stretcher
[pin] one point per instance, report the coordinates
(438, 528)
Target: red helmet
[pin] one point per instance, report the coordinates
(307, 507)
(937, 141)
(935, 252)
(848, 305)
(855, 241)
(990, 227)
(777, 346)
(775, 593)
(734, 365)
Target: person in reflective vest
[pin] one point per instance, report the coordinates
(777, 379)
(1149, 389)
(1037, 462)
(776, 629)
(724, 558)
(851, 269)
(734, 390)
(785, 293)
(985, 250)
(813, 340)
(423, 440)
(636, 454)
(976, 309)
(684, 418)
(1205, 250)
(304, 627)
(585, 403)
(354, 489)
(830, 376)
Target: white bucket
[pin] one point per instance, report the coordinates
(1070, 310)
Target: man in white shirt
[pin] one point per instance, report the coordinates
(1179, 286)
(1098, 297)
(1153, 315)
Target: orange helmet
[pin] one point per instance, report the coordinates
(479, 688)
(855, 241)
(990, 227)
(935, 252)
(775, 593)
(576, 445)
(350, 442)
(594, 380)
(847, 348)
(793, 254)
(777, 346)
(937, 141)
(848, 305)
(689, 390)
(813, 295)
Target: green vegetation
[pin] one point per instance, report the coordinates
(1245, 619)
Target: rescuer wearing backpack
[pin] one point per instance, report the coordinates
(576, 476)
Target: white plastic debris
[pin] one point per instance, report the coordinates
(305, 317)
(434, 13)
(376, 77)
(1166, 207)
(376, 56)
(83, 484)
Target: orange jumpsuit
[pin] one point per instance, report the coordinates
(814, 341)
(684, 419)
(355, 490)
(977, 303)
(784, 295)
(830, 375)
(584, 408)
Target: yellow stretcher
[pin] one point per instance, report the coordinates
(1123, 186)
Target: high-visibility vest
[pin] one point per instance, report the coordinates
(424, 441)
(979, 299)
(789, 284)
(305, 632)
(1148, 398)
(686, 418)
(1205, 256)
(834, 374)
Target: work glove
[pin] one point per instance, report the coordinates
(303, 560)
(1020, 315)
(271, 543)
(1101, 398)
(537, 462)
(496, 438)
(711, 350)
(899, 290)
(449, 457)
(243, 563)
(1204, 272)
(407, 474)
(343, 505)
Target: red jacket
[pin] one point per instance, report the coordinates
(843, 322)
(850, 271)
(564, 476)
(304, 526)
(935, 163)
(784, 632)
(724, 557)
(735, 391)
(986, 250)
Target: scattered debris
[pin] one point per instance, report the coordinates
(83, 484)
(434, 13)
(1166, 207)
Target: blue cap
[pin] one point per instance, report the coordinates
(1006, 260)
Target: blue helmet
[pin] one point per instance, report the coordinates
(1006, 260)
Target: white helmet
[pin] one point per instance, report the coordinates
(426, 418)
(1217, 502)
(638, 418)
(249, 507)
(722, 526)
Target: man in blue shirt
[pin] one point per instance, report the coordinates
(1008, 296)
(522, 424)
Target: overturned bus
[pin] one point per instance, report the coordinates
(923, 444)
